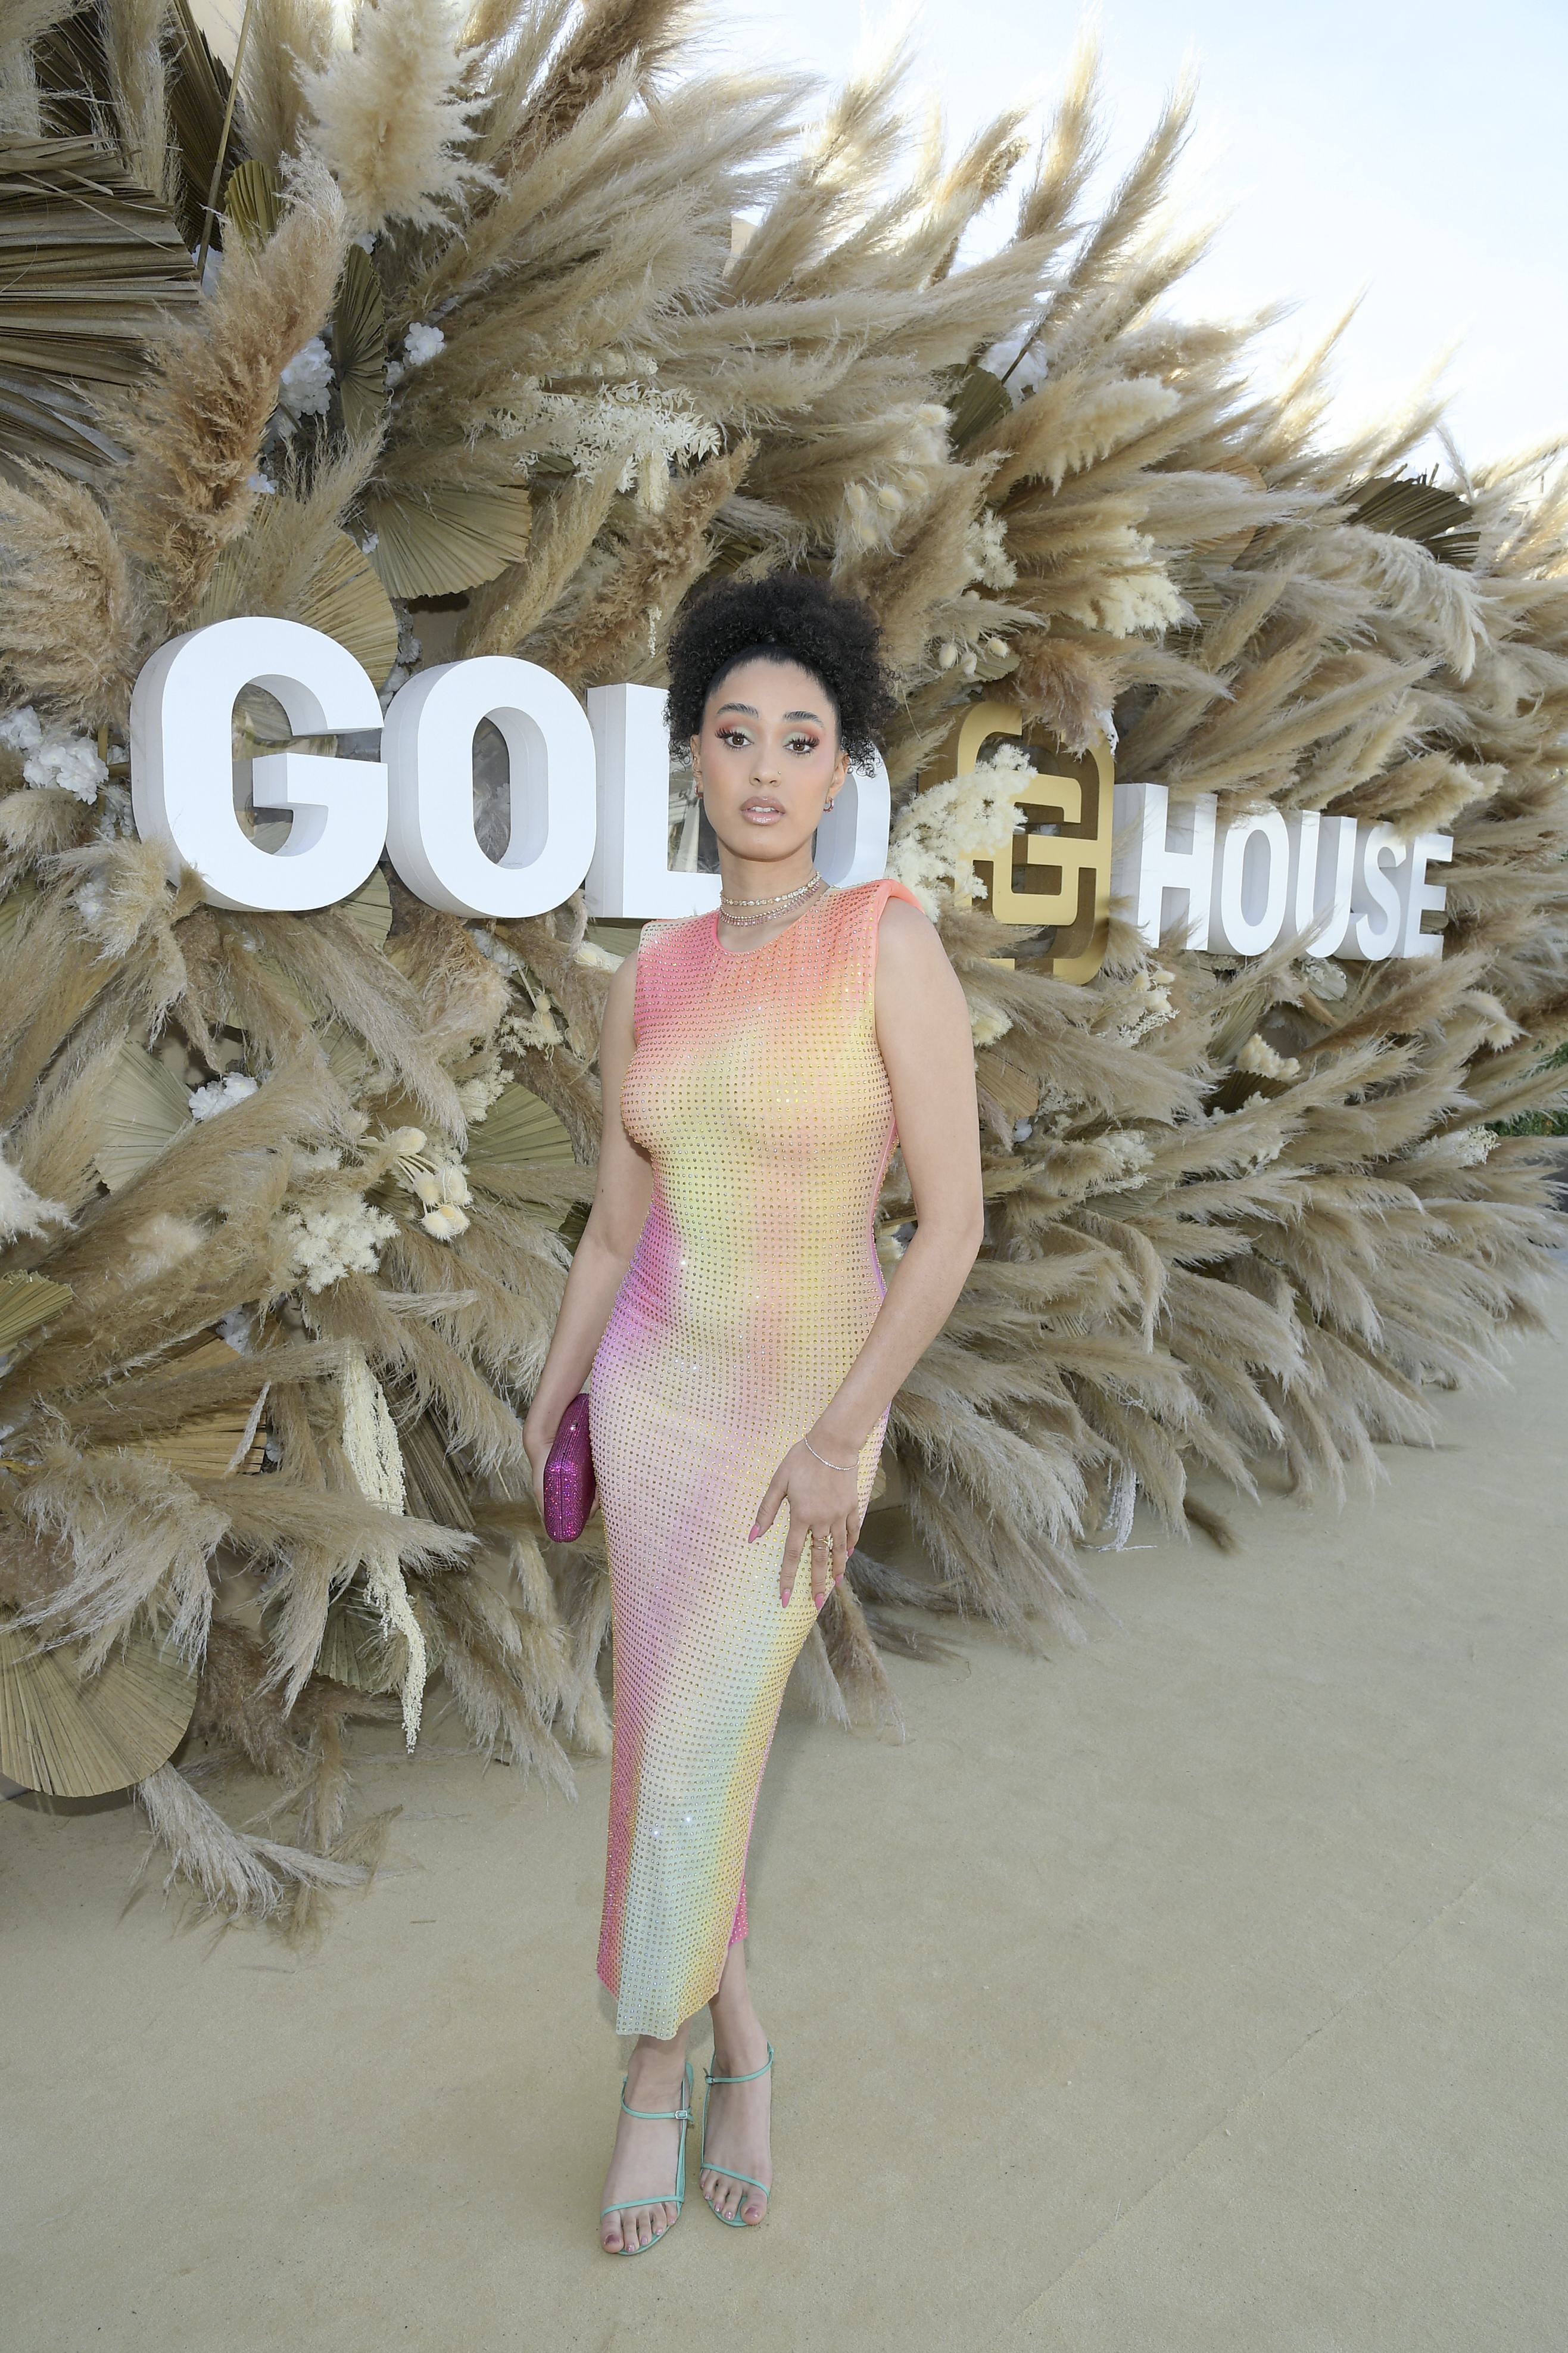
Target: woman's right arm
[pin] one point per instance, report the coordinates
(621, 1198)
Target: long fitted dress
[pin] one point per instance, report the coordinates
(760, 1096)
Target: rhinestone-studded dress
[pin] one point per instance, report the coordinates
(759, 1094)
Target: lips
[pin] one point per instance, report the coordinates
(761, 812)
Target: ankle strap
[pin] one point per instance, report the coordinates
(658, 2116)
(752, 2078)
(680, 2116)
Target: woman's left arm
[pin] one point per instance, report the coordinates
(923, 1029)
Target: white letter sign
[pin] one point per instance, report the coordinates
(429, 747)
(1322, 875)
(1251, 878)
(630, 875)
(852, 839)
(182, 715)
(590, 804)
(1338, 888)
(1168, 852)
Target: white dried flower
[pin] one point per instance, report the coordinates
(1461, 1147)
(54, 757)
(597, 960)
(341, 1237)
(985, 551)
(1260, 1057)
(439, 1186)
(445, 1222)
(649, 431)
(21, 729)
(305, 385)
(475, 1095)
(421, 343)
(940, 832)
(1142, 1005)
(539, 1029)
(221, 1094)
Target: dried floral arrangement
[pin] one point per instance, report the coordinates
(476, 361)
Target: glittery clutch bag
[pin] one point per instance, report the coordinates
(569, 1483)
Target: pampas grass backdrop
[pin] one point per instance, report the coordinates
(517, 326)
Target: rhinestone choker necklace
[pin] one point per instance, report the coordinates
(764, 911)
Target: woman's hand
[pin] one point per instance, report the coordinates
(824, 1513)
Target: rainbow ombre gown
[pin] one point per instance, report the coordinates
(758, 1093)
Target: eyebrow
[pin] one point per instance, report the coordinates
(751, 713)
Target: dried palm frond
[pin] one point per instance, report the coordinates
(25, 1301)
(293, 559)
(358, 346)
(518, 1127)
(92, 263)
(448, 539)
(79, 1732)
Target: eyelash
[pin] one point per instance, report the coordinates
(737, 738)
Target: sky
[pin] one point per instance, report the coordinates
(1411, 155)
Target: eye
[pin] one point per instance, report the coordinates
(805, 744)
(736, 737)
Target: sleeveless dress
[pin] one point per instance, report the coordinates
(759, 1094)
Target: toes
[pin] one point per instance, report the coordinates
(755, 2209)
(610, 2237)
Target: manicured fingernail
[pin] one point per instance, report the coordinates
(756, 1532)
(784, 1600)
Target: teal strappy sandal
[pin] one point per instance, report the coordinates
(730, 2221)
(682, 2117)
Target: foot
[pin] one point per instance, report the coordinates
(644, 2156)
(738, 2120)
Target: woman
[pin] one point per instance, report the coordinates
(756, 1068)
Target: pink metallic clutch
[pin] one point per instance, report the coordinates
(569, 1483)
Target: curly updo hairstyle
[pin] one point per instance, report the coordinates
(790, 616)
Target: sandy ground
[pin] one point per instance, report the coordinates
(1201, 1988)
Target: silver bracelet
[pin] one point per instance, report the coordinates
(822, 1458)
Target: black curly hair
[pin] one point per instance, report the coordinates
(789, 617)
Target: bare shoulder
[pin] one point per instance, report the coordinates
(620, 1000)
(623, 980)
(909, 946)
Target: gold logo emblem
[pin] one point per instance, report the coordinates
(1059, 873)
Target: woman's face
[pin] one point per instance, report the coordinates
(767, 761)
